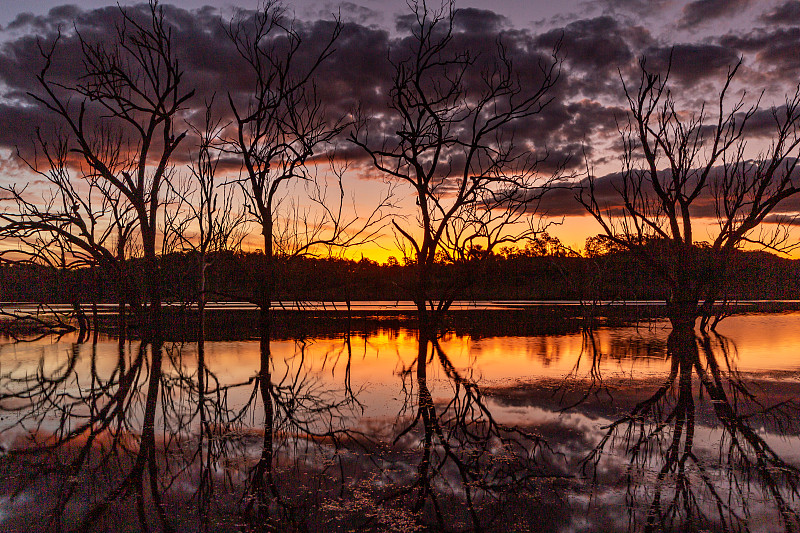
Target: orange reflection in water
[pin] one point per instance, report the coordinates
(375, 362)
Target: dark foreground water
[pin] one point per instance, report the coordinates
(622, 429)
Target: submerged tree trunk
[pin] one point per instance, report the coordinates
(428, 415)
(262, 484)
(122, 320)
(153, 287)
(201, 298)
(682, 312)
(83, 322)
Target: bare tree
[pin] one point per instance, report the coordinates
(278, 131)
(673, 161)
(134, 87)
(282, 125)
(277, 137)
(205, 218)
(77, 223)
(119, 117)
(452, 144)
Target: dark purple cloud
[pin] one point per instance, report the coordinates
(701, 11)
(775, 49)
(472, 20)
(586, 102)
(595, 51)
(597, 47)
(642, 8)
(350, 12)
(65, 14)
(764, 123)
(563, 201)
(691, 63)
(787, 13)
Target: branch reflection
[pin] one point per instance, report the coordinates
(468, 462)
(155, 437)
(701, 448)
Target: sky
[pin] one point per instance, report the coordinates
(601, 43)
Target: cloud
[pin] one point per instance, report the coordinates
(764, 122)
(563, 202)
(702, 11)
(594, 52)
(787, 13)
(584, 104)
(775, 49)
(693, 62)
(350, 12)
(472, 20)
(598, 43)
(642, 8)
(65, 14)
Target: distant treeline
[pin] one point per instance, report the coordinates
(512, 276)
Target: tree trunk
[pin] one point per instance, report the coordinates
(152, 286)
(682, 311)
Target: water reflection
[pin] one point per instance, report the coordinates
(71, 429)
(156, 437)
(461, 446)
(303, 429)
(698, 448)
(619, 429)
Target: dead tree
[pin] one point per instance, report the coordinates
(204, 219)
(130, 92)
(77, 223)
(280, 127)
(672, 162)
(451, 144)
(278, 130)
(119, 118)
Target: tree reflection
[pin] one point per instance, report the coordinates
(302, 417)
(158, 433)
(140, 435)
(700, 448)
(467, 461)
(68, 434)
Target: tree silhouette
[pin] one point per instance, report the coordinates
(451, 144)
(120, 118)
(674, 161)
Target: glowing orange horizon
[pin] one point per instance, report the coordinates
(571, 231)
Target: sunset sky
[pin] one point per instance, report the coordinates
(600, 41)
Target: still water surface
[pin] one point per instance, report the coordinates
(626, 428)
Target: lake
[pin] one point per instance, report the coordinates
(625, 428)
